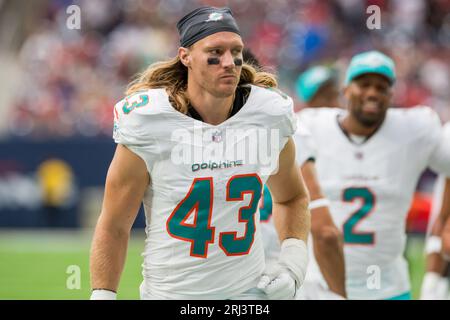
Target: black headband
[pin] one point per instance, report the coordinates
(203, 22)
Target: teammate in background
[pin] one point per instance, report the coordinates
(435, 281)
(327, 244)
(435, 285)
(445, 214)
(318, 87)
(369, 160)
(203, 236)
(327, 239)
(446, 239)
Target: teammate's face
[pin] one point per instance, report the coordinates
(214, 63)
(368, 97)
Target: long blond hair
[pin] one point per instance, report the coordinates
(172, 75)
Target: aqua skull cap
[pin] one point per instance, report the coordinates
(371, 62)
(310, 81)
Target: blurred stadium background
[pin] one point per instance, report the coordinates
(58, 86)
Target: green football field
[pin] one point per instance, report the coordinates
(48, 265)
(43, 265)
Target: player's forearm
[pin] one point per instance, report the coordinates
(332, 267)
(446, 240)
(292, 218)
(108, 254)
(329, 253)
(435, 263)
(433, 245)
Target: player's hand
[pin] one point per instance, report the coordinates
(291, 266)
(294, 257)
(434, 287)
(277, 283)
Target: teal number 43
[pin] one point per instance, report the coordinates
(351, 236)
(199, 202)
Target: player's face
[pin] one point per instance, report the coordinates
(215, 63)
(369, 97)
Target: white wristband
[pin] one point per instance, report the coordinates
(101, 294)
(322, 202)
(433, 245)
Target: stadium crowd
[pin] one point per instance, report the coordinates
(72, 78)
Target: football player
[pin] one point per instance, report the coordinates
(327, 244)
(369, 160)
(316, 86)
(435, 281)
(198, 136)
(445, 212)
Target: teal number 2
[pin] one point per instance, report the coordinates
(368, 202)
(199, 201)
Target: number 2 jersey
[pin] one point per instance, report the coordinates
(203, 238)
(370, 186)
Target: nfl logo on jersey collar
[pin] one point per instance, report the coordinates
(359, 155)
(217, 136)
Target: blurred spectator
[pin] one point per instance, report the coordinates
(59, 190)
(73, 77)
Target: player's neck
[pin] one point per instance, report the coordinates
(213, 110)
(353, 126)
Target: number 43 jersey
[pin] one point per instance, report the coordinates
(370, 185)
(203, 238)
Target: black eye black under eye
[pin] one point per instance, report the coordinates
(213, 60)
(238, 62)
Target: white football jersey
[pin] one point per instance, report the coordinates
(438, 193)
(370, 186)
(439, 187)
(304, 151)
(203, 236)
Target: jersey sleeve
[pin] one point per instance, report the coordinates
(309, 117)
(271, 111)
(285, 119)
(133, 129)
(305, 147)
(289, 121)
(440, 156)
